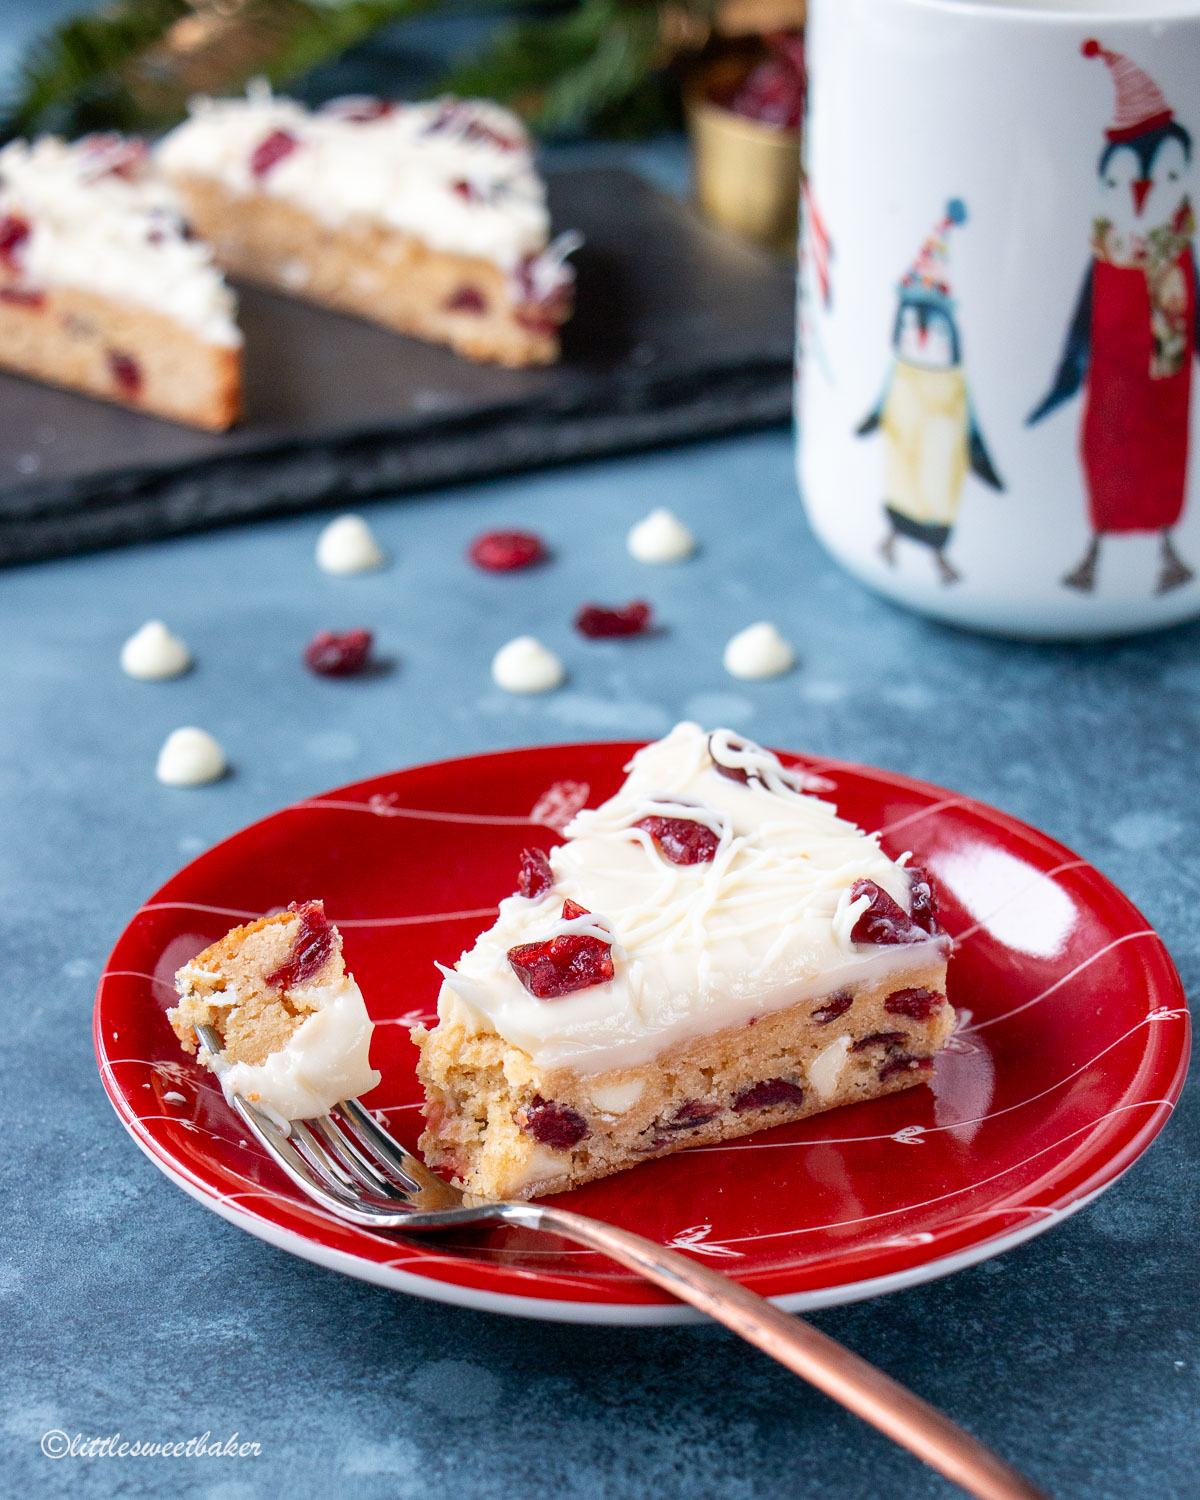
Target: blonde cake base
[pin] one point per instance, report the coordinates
(483, 1094)
(120, 352)
(368, 270)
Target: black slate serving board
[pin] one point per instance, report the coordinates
(680, 332)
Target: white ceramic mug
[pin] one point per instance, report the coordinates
(998, 308)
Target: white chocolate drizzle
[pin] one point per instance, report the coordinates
(698, 947)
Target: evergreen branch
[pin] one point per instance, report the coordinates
(128, 67)
(567, 72)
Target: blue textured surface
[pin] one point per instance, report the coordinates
(124, 1305)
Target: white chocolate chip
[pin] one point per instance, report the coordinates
(348, 545)
(526, 666)
(153, 654)
(758, 651)
(190, 757)
(825, 1070)
(660, 538)
(616, 1098)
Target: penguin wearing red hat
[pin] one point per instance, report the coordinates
(1134, 333)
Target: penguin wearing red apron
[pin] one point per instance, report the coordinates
(1134, 333)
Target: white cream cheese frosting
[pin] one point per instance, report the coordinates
(459, 174)
(325, 1060)
(696, 948)
(100, 219)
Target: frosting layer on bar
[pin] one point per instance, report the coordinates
(764, 924)
(92, 215)
(459, 174)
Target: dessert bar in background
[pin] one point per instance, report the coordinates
(428, 218)
(713, 951)
(103, 289)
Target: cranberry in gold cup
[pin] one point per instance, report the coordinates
(998, 308)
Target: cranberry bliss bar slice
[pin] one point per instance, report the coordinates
(294, 1030)
(428, 218)
(102, 289)
(713, 951)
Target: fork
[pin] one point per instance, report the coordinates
(350, 1165)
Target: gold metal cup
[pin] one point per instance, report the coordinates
(747, 175)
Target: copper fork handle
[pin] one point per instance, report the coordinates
(808, 1352)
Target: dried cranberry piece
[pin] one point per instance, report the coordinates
(767, 1094)
(536, 876)
(681, 840)
(923, 903)
(110, 155)
(879, 1039)
(467, 299)
(917, 1004)
(333, 653)
(561, 965)
(504, 551)
(310, 949)
(731, 773)
(690, 1114)
(271, 150)
(553, 1124)
(837, 1005)
(884, 921)
(126, 372)
(23, 297)
(467, 190)
(596, 621)
(906, 1063)
(358, 109)
(14, 231)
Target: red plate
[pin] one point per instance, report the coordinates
(1071, 1053)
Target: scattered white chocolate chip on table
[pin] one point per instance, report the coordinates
(153, 654)
(661, 537)
(526, 666)
(190, 757)
(758, 651)
(348, 545)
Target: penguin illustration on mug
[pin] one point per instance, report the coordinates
(925, 414)
(1135, 332)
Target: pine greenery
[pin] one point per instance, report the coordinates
(570, 64)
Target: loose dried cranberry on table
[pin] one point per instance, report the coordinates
(536, 876)
(334, 653)
(271, 150)
(14, 231)
(553, 1124)
(126, 372)
(598, 622)
(310, 948)
(917, 1004)
(767, 1094)
(885, 921)
(681, 840)
(773, 93)
(561, 965)
(837, 1005)
(505, 551)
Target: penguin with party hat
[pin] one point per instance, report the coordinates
(1135, 332)
(931, 438)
